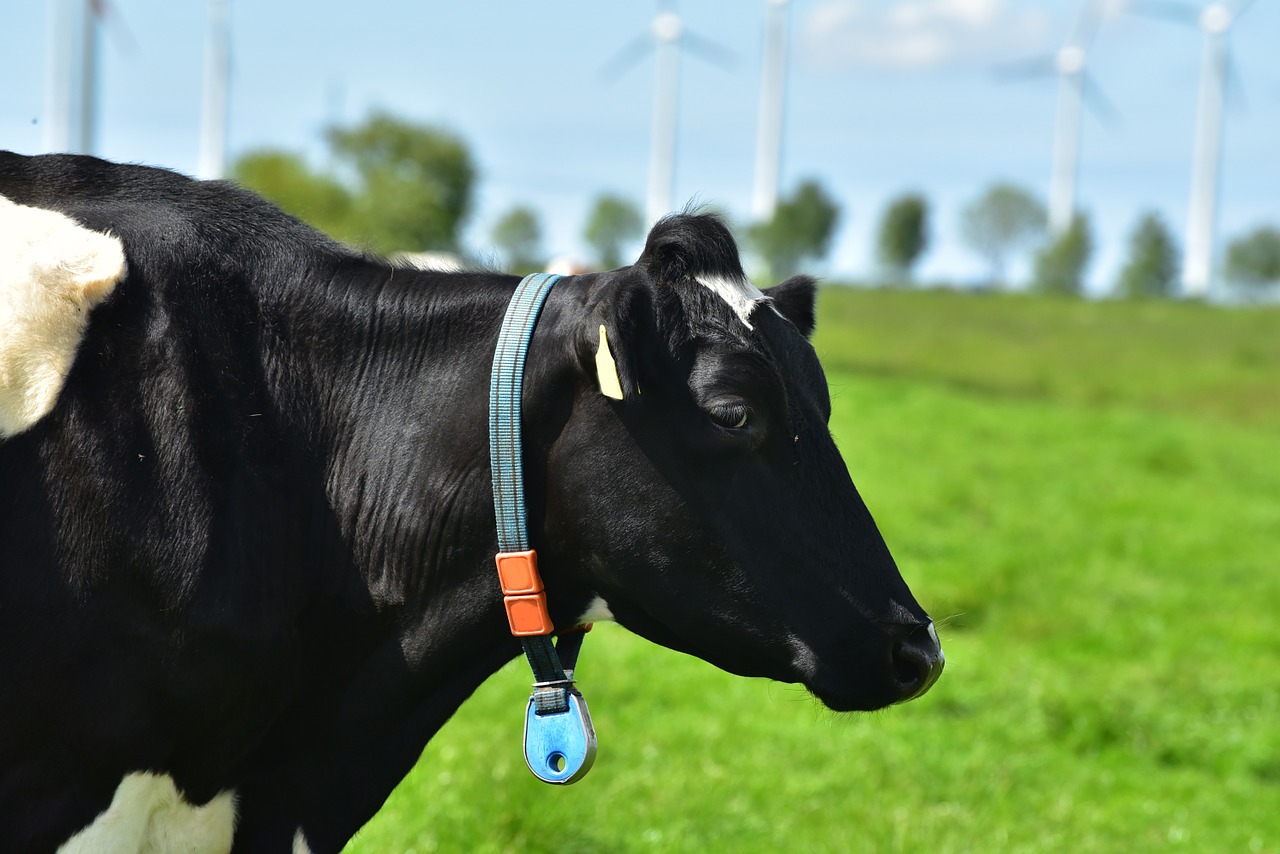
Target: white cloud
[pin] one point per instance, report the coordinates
(921, 34)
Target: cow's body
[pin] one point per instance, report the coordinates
(250, 549)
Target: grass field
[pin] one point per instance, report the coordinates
(1086, 496)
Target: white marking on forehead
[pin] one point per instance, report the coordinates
(741, 295)
(148, 815)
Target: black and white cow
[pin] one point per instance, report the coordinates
(246, 520)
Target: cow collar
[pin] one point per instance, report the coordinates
(559, 741)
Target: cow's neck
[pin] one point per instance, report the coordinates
(398, 366)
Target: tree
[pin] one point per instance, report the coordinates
(1152, 268)
(1001, 221)
(518, 234)
(403, 186)
(415, 182)
(904, 234)
(802, 227)
(283, 178)
(1254, 259)
(613, 222)
(1060, 266)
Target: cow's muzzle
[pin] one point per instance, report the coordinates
(917, 662)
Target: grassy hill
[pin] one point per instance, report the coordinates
(1167, 357)
(1086, 496)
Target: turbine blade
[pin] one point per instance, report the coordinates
(1238, 8)
(1099, 103)
(1088, 22)
(1165, 10)
(704, 48)
(625, 59)
(1024, 69)
(113, 21)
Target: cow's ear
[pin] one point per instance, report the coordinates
(794, 299)
(619, 332)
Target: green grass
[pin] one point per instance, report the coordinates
(1087, 497)
(1170, 357)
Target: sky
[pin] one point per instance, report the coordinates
(882, 98)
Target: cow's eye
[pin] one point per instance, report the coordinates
(731, 417)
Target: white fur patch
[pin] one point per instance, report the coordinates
(432, 262)
(52, 272)
(597, 612)
(741, 295)
(149, 816)
(300, 845)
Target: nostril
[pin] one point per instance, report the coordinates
(917, 661)
(908, 667)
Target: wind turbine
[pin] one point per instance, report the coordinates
(1074, 86)
(667, 36)
(211, 162)
(1076, 89)
(773, 84)
(1215, 21)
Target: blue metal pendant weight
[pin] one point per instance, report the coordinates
(559, 747)
(559, 741)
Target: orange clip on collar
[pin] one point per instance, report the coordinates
(522, 593)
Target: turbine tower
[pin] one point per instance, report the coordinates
(1215, 22)
(773, 84)
(211, 162)
(70, 88)
(1070, 63)
(667, 28)
(667, 37)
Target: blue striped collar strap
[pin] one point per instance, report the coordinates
(559, 741)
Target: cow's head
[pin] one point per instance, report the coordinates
(699, 493)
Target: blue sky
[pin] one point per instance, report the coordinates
(884, 97)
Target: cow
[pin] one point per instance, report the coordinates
(248, 533)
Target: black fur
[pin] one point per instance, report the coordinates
(684, 245)
(252, 545)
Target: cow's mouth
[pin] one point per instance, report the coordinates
(850, 700)
(910, 669)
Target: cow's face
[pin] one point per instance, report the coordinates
(708, 507)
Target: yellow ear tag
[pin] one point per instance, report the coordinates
(607, 369)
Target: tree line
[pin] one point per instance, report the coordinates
(395, 186)
(1007, 220)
